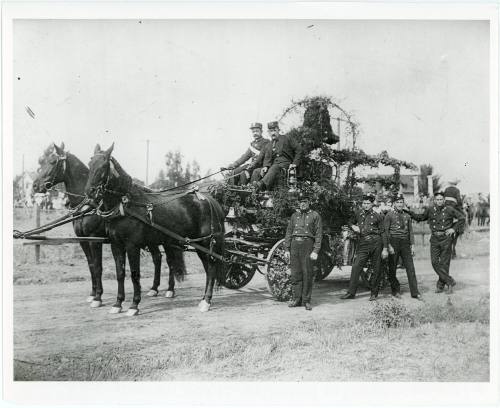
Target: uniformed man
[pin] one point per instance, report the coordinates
(452, 195)
(302, 243)
(372, 245)
(444, 222)
(253, 151)
(282, 153)
(398, 228)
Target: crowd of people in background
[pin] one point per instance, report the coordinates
(46, 201)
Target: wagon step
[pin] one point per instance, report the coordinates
(246, 256)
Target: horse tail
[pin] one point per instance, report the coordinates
(175, 260)
(218, 217)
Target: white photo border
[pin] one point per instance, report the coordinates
(244, 393)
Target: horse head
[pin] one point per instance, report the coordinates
(52, 168)
(99, 172)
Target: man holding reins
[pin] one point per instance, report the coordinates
(242, 172)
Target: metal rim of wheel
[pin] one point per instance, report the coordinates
(277, 264)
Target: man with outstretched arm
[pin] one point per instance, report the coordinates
(400, 235)
(241, 169)
(444, 221)
(372, 246)
(303, 243)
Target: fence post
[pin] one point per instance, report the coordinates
(37, 224)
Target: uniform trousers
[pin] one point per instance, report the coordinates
(274, 172)
(256, 174)
(441, 257)
(302, 268)
(402, 248)
(242, 179)
(368, 249)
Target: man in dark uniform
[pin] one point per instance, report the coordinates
(302, 243)
(400, 235)
(452, 195)
(444, 221)
(253, 151)
(453, 198)
(282, 153)
(372, 245)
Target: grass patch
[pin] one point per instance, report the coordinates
(391, 342)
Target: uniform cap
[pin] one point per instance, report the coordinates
(273, 125)
(303, 196)
(256, 125)
(439, 193)
(398, 197)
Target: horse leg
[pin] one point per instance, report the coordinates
(176, 268)
(118, 251)
(156, 255)
(96, 249)
(134, 261)
(211, 278)
(204, 305)
(88, 254)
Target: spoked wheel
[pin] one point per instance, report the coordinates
(278, 273)
(366, 275)
(238, 275)
(324, 264)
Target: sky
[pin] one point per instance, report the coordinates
(419, 89)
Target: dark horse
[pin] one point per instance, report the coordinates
(131, 210)
(59, 166)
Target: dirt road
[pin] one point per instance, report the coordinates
(57, 336)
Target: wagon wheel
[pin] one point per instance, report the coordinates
(367, 274)
(238, 275)
(278, 273)
(324, 265)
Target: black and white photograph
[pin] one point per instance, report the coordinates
(260, 198)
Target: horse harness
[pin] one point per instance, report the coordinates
(124, 208)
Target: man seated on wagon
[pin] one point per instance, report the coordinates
(241, 166)
(283, 153)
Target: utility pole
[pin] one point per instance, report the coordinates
(147, 162)
(22, 180)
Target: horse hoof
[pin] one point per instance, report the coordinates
(152, 293)
(169, 294)
(204, 306)
(132, 312)
(96, 303)
(115, 310)
(90, 299)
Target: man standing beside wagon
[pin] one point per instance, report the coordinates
(303, 243)
(444, 221)
(398, 227)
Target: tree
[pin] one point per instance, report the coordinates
(176, 172)
(427, 170)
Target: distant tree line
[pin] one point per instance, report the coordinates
(177, 172)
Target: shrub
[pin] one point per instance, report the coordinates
(391, 314)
